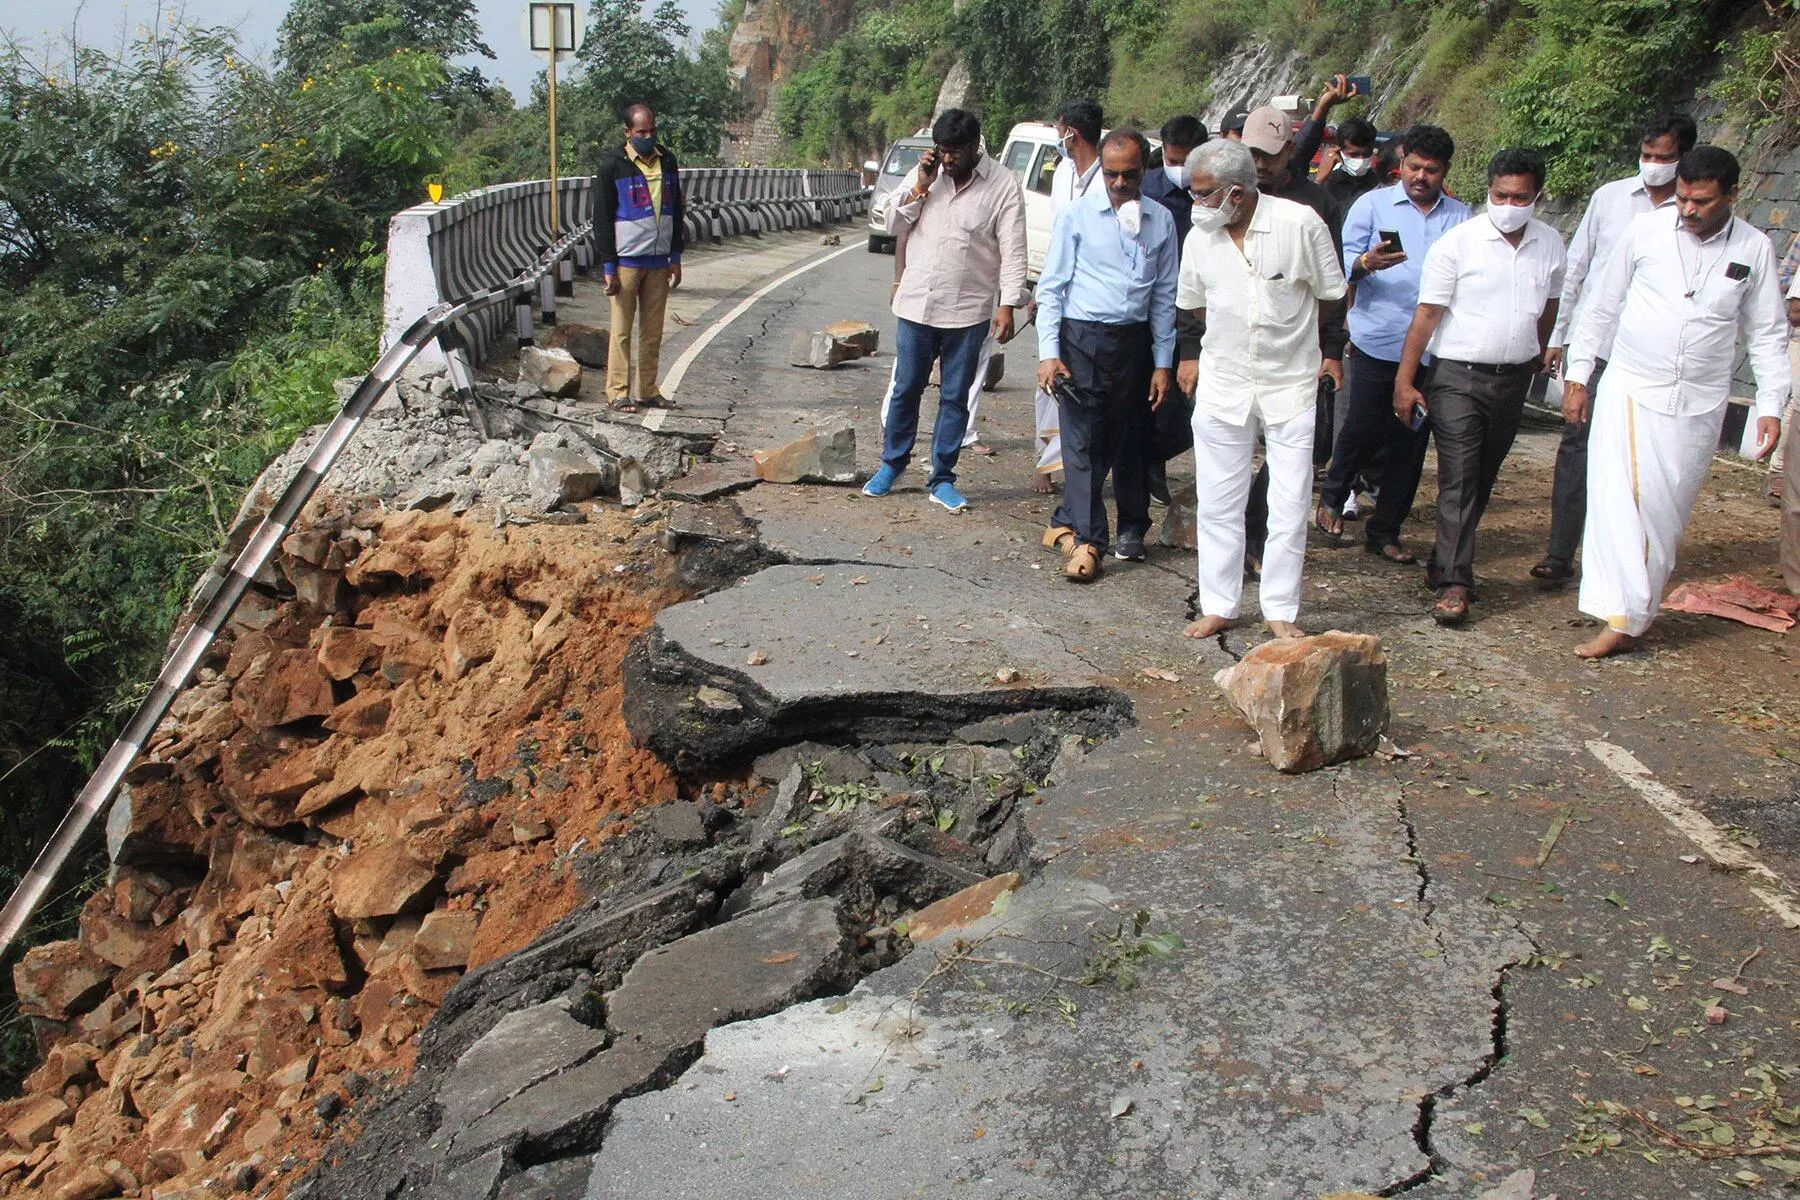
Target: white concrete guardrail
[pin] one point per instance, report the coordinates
(429, 328)
(482, 238)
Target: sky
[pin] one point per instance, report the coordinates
(101, 20)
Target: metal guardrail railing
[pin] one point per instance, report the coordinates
(451, 248)
(438, 323)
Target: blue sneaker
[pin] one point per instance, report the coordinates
(945, 494)
(882, 482)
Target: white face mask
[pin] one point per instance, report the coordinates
(1510, 218)
(1131, 218)
(1655, 174)
(1210, 220)
(1354, 167)
(1177, 173)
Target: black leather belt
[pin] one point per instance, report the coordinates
(1502, 369)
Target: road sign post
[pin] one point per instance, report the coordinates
(553, 31)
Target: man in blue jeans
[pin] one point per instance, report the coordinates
(964, 217)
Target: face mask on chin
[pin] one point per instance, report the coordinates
(1178, 174)
(1131, 218)
(1655, 174)
(1510, 218)
(1355, 167)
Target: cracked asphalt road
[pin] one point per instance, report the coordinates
(1382, 989)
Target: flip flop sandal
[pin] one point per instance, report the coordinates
(1334, 536)
(1401, 557)
(1553, 570)
(1061, 539)
(1450, 610)
(625, 407)
(657, 402)
(1083, 566)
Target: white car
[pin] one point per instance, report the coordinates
(1031, 155)
(890, 173)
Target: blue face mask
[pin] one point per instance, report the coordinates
(645, 146)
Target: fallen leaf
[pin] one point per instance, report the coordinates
(730, 1096)
(781, 956)
(1615, 899)
(837, 1007)
(1162, 673)
(978, 1134)
(815, 580)
(859, 581)
(757, 658)
(1475, 791)
(880, 1082)
(1688, 858)
(1121, 1105)
(1731, 985)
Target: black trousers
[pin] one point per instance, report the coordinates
(1376, 443)
(1475, 417)
(1568, 494)
(1109, 369)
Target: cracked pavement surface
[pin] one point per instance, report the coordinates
(1393, 981)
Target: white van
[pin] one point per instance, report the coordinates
(1031, 156)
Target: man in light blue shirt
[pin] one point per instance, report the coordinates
(1386, 235)
(1106, 345)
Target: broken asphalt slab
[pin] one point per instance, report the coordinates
(842, 651)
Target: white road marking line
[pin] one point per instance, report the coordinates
(1768, 887)
(679, 371)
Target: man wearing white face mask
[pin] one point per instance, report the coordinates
(1354, 172)
(1487, 302)
(1614, 206)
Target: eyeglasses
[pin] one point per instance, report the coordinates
(1122, 176)
(1223, 187)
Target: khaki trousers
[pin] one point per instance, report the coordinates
(643, 293)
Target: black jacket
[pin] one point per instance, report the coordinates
(1179, 201)
(626, 231)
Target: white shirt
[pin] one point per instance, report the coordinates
(965, 251)
(1066, 186)
(1675, 309)
(1492, 292)
(1261, 349)
(1610, 212)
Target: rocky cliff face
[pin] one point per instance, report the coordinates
(770, 40)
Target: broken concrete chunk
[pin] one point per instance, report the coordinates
(996, 371)
(966, 907)
(823, 455)
(859, 868)
(820, 351)
(522, 1049)
(1178, 528)
(559, 477)
(552, 371)
(1313, 701)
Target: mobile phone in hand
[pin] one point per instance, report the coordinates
(1417, 422)
(1360, 85)
(1390, 242)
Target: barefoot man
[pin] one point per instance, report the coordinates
(1672, 301)
(1257, 275)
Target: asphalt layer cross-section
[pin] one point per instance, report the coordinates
(1381, 990)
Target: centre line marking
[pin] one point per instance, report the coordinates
(1767, 886)
(679, 371)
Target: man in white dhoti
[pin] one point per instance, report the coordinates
(1672, 300)
(1257, 275)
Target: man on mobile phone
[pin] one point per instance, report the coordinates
(1487, 301)
(1386, 237)
(964, 276)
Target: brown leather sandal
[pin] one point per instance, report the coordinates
(1061, 539)
(1452, 608)
(1084, 565)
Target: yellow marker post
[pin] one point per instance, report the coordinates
(435, 190)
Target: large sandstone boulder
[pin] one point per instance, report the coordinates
(60, 979)
(587, 344)
(1313, 701)
(823, 455)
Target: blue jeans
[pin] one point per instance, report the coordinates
(916, 348)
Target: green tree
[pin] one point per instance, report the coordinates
(315, 32)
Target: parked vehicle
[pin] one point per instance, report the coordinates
(1031, 155)
(901, 158)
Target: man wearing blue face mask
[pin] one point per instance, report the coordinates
(1488, 297)
(638, 236)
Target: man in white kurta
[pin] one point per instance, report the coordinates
(1673, 299)
(1255, 273)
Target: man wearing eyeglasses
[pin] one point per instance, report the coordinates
(964, 217)
(1106, 346)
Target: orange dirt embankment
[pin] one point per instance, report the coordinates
(378, 780)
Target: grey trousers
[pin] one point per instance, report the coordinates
(1790, 504)
(1568, 494)
(1474, 417)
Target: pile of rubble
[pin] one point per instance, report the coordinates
(379, 779)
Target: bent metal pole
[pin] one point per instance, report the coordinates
(192, 650)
